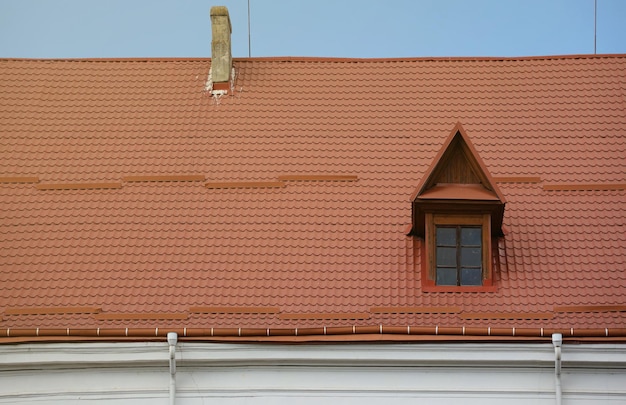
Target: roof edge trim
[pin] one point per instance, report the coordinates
(11, 335)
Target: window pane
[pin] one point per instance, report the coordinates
(471, 236)
(471, 276)
(446, 276)
(446, 256)
(446, 236)
(471, 257)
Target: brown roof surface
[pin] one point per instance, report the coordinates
(132, 198)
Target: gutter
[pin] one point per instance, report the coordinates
(341, 333)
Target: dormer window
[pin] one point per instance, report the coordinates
(458, 255)
(458, 250)
(457, 211)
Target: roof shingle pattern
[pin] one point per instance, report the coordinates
(324, 251)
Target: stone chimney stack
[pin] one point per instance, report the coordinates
(221, 55)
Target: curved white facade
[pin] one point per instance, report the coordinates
(445, 373)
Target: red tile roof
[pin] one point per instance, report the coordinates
(134, 200)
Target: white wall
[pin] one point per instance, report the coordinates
(138, 373)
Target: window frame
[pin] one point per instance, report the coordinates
(451, 262)
(429, 265)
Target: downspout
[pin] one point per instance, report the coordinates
(557, 341)
(172, 339)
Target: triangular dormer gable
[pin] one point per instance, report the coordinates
(457, 182)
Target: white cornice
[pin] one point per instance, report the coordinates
(57, 355)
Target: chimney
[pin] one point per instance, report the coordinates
(221, 56)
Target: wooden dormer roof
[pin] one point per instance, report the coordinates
(457, 181)
(458, 162)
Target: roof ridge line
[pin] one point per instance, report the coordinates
(113, 59)
(429, 58)
(320, 58)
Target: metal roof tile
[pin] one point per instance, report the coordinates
(315, 248)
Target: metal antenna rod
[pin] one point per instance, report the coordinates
(249, 47)
(595, 25)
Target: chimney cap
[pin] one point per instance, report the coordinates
(221, 11)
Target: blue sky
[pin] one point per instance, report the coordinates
(335, 28)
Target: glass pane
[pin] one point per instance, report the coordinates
(471, 257)
(471, 236)
(446, 276)
(471, 277)
(446, 256)
(446, 236)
